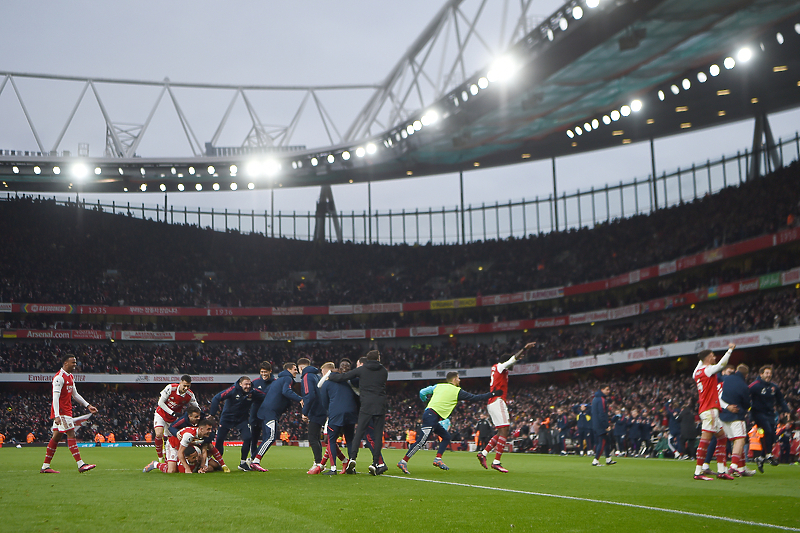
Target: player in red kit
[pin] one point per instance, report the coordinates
(181, 447)
(172, 401)
(705, 376)
(61, 412)
(498, 411)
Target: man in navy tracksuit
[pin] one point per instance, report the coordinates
(314, 413)
(735, 402)
(584, 418)
(342, 406)
(601, 426)
(674, 440)
(765, 397)
(260, 384)
(235, 414)
(279, 397)
(621, 425)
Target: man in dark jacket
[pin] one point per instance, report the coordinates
(735, 402)
(235, 414)
(261, 383)
(601, 426)
(372, 376)
(314, 413)
(279, 397)
(342, 407)
(674, 439)
(686, 418)
(584, 419)
(765, 397)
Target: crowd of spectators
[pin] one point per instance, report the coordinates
(54, 254)
(533, 407)
(759, 311)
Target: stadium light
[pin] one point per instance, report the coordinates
(251, 186)
(119, 169)
(234, 170)
(79, 170)
(701, 77)
(661, 95)
(191, 171)
(615, 115)
(483, 82)
(403, 134)
(473, 89)
(253, 169)
(797, 28)
(686, 84)
(37, 170)
(234, 186)
(591, 4)
(729, 63)
(570, 134)
(360, 152)
(410, 129)
(198, 187)
(625, 110)
(371, 148)
(211, 169)
(606, 120)
(464, 95)
(577, 12)
(181, 187)
(56, 170)
(595, 123)
(563, 24)
(587, 127)
(272, 167)
(779, 37)
(215, 186)
(173, 170)
(550, 35)
(502, 69)
(744, 55)
(97, 171)
(713, 70)
(346, 155)
(331, 159)
(674, 89)
(141, 171)
(15, 169)
(636, 106)
(417, 125)
(578, 130)
(314, 161)
(432, 116)
(163, 188)
(143, 187)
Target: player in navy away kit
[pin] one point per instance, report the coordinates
(260, 384)
(765, 397)
(314, 413)
(342, 407)
(235, 414)
(278, 399)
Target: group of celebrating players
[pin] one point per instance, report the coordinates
(352, 403)
(337, 402)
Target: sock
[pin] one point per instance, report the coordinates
(163, 467)
(51, 451)
(406, 458)
(490, 445)
(438, 456)
(160, 448)
(702, 448)
(722, 454)
(501, 446)
(325, 457)
(736, 461)
(257, 460)
(72, 444)
(218, 456)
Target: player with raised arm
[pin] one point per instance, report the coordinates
(498, 410)
(172, 401)
(180, 446)
(61, 412)
(705, 377)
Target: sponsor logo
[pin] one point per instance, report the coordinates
(47, 308)
(142, 379)
(425, 331)
(154, 310)
(544, 294)
(354, 334)
(47, 334)
(667, 268)
(382, 333)
(340, 310)
(6, 308)
(148, 335)
(454, 304)
(287, 311)
(203, 379)
(328, 335)
(39, 377)
(749, 285)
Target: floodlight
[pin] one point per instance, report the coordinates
(563, 24)
(143, 187)
(15, 169)
(253, 169)
(191, 171)
(163, 188)
(550, 35)
(346, 155)
(729, 63)
(432, 116)
(371, 148)
(578, 130)
(686, 84)
(587, 127)
(79, 170)
(744, 54)
(272, 167)
(141, 171)
(606, 120)
(714, 70)
(417, 125)
(234, 170)
(181, 187)
(592, 3)
(56, 170)
(97, 170)
(625, 110)
(198, 187)
(674, 89)
(577, 12)
(502, 69)
(37, 170)
(570, 134)
(211, 169)
(636, 106)
(473, 89)
(779, 37)
(614, 115)
(251, 186)
(595, 123)
(314, 161)
(173, 171)
(215, 186)
(410, 129)
(483, 82)
(234, 186)
(360, 151)
(331, 159)
(464, 95)
(701, 77)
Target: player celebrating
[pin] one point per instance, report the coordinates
(171, 403)
(238, 399)
(498, 410)
(705, 376)
(61, 412)
(278, 399)
(182, 445)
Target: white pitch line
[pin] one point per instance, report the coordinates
(591, 500)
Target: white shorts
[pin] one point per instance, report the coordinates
(170, 453)
(69, 423)
(498, 412)
(711, 421)
(735, 429)
(159, 422)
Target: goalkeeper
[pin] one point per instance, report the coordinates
(443, 399)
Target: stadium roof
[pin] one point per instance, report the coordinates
(579, 68)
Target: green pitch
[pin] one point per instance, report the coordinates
(117, 496)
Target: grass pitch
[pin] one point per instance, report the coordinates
(541, 493)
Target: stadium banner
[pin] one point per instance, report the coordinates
(591, 316)
(544, 294)
(389, 333)
(193, 336)
(285, 335)
(427, 331)
(670, 267)
(502, 299)
(6, 307)
(147, 335)
(64, 334)
(364, 309)
(288, 311)
(769, 281)
(158, 379)
(454, 304)
(354, 334)
(59, 309)
(328, 335)
(624, 312)
(116, 445)
(790, 276)
(554, 322)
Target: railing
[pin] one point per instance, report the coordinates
(494, 221)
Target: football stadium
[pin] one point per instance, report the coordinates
(512, 332)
